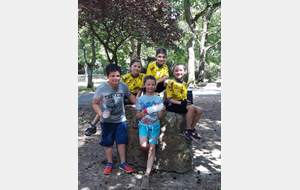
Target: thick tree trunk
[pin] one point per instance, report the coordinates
(191, 62)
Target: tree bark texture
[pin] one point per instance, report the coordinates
(191, 61)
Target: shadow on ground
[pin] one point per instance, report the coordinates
(207, 156)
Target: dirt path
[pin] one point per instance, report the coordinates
(207, 156)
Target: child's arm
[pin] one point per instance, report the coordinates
(140, 114)
(131, 98)
(138, 94)
(184, 102)
(97, 107)
(160, 113)
(162, 79)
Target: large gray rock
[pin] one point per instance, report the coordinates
(173, 152)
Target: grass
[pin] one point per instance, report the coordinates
(84, 88)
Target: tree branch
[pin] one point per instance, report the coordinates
(105, 44)
(213, 45)
(214, 32)
(83, 49)
(204, 11)
(188, 17)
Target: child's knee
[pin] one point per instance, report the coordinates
(144, 145)
(190, 107)
(166, 82)
(199, 110)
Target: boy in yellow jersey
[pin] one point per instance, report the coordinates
(160, 71)
(177, 98)
(134, 80)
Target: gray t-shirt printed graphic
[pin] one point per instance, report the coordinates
(112, 99)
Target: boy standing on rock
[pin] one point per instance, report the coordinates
(108, 103)
(149, 123)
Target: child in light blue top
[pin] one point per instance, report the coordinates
(149, 124)
(145, 102)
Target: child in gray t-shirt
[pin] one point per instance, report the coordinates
(109, 96)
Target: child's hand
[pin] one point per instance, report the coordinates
(142, 114)
(164, 108)
(188, 102)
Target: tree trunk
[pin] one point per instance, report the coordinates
(133, 52)
(139, 46)
(191, 62)
(90, 77)
(86, 72)
(202, 52)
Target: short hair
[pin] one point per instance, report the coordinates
(178, 64)
(112, 68)
(135, 60)
(149, 77)
(161, 50)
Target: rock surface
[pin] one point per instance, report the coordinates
(173, 152)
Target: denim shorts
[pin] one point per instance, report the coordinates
(113, 132)
(151, 132)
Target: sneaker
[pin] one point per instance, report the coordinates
(195, 135)
(188, 134)
(125, 167)
(108, 168)
(145, 182)
(91, 130)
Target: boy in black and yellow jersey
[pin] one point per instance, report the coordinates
(134, 81)
(160, 71)
(178, 102)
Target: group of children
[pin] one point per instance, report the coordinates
(117, 93)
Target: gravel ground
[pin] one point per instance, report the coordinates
(207, 155)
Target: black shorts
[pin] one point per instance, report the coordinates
(160, 87)
(177, 108)
(127, 101)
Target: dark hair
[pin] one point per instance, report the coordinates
(178, 64)
(112, 68)
(149, 77)
(161, 50)
(135, 60)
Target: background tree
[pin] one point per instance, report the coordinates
(89, 54)
(201, 28)
(114, 21)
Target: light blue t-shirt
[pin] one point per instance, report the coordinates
(144, 102)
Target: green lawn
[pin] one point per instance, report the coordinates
(84, 88)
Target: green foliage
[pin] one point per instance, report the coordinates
(211, 72)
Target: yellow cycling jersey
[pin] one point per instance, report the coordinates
(157, 72)
(176, 90)
(134, 83)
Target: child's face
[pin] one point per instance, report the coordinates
(179, 72)
(136, 68)
(161, 58)
(150, 85)
(114, 78)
